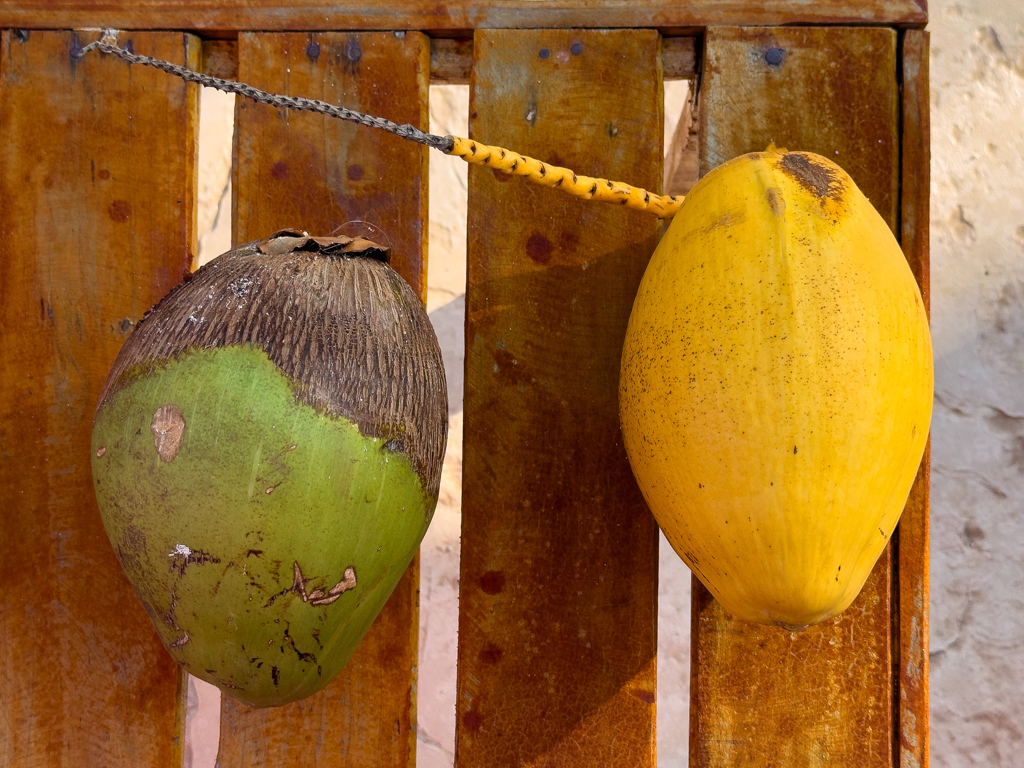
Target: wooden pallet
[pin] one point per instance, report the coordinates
(558, 612)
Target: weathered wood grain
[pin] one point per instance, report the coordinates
(97, 213)
(451, 59)
(220, 16)
(762, 696)
(916, 163)
(913, 531)
(325, 176)
(558, 601)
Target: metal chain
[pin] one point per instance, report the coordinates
(662, 206)
(442, 143)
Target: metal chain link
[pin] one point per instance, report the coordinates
(441, 143)
(499, 159)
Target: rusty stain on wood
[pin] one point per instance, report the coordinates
(558, 599)
(761, 696)
(913, 531)
(326, 176)
(97, 209)
(668, 16)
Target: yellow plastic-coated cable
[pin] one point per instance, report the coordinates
(615, 192)
(504, 160)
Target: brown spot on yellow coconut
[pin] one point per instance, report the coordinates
(815, 177)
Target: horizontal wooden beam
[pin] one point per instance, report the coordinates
(229, 16)
(452, 58)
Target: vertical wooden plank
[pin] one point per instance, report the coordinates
(318, 174)
(97, 209)
(913, 531)
(558, 613)
(761, 696)
(915, 193)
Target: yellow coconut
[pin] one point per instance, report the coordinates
(776, 386)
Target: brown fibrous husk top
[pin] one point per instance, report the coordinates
(345, 328)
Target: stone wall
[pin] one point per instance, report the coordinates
(977, 257)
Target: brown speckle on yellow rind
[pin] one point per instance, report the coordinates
(168, 430)
(798, 291)
(776, 201)
(813, 176)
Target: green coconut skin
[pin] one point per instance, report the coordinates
(306, 490)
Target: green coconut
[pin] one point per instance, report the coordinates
(266, 456)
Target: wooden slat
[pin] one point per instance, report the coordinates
(761, 696)
(97, 213)
(913, 531)
(916, 162)
(557, 614)
(318, 174)
(453, 16)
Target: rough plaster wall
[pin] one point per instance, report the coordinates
(977, 618)
(977, 256)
